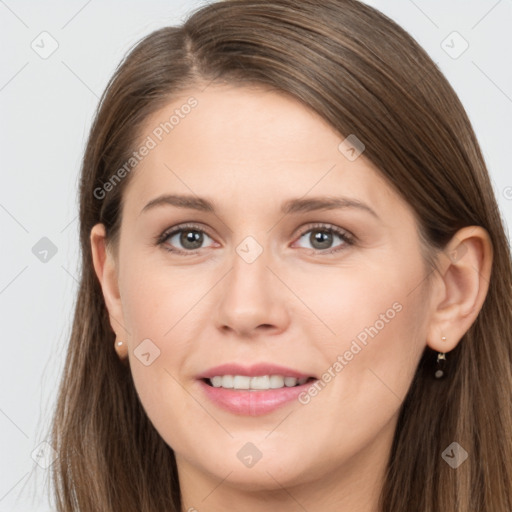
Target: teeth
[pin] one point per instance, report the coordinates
(260, 382)
(255, 383)
(276, 381)
(240, 382)
(226, 381)
(290, 381)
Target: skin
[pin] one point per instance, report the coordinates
(248, 150)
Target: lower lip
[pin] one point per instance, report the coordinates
(252, 403)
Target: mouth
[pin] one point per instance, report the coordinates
(254, 390)
(255, 395)
(256, 383)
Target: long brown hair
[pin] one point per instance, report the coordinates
(366, 76)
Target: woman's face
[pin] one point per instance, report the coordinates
(264, 276)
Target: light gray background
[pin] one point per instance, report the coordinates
(46, 110)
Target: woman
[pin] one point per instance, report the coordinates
(216, 362)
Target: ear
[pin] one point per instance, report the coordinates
(462, 285)
(106, 270)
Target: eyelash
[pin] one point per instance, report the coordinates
(347, 238)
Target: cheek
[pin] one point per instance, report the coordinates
(156, 298)
(369, 363)
(161, 305)
(377, 323)
(363, 304)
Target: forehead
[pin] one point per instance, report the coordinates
(239, 142)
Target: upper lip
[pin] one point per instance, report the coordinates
(252, 371)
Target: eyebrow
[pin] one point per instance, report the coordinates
(291, 206)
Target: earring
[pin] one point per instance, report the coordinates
(441, 362)
(120, 349)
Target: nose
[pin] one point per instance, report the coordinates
(253, 299)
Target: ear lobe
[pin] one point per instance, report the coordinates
(465, 270)
(106, 271)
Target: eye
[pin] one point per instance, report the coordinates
(190, 236)
(321, 237)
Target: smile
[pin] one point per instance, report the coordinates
(257, 383)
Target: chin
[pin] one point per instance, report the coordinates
(272, 471)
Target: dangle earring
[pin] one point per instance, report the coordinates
(441, 363)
